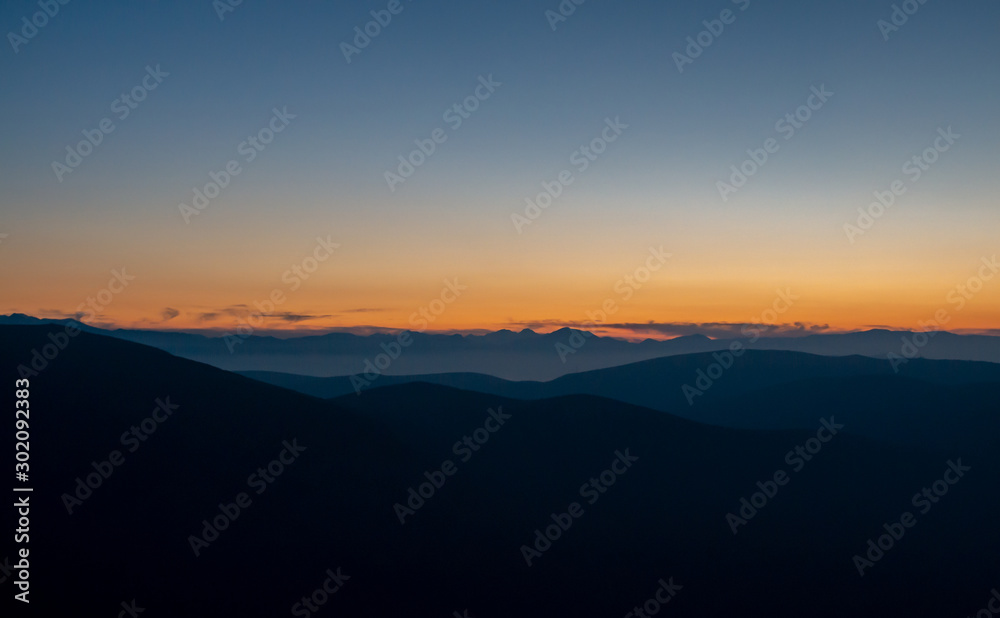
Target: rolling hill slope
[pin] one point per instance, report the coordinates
(652, 494)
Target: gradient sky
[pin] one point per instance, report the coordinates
(654, 186)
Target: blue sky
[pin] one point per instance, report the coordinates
(657, 184)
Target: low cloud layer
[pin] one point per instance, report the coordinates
(715, 330)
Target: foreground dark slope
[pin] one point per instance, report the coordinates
(664, 517)
(130, 538)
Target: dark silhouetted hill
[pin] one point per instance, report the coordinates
(928, 402)
(662, 517)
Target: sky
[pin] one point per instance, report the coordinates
(630, 134)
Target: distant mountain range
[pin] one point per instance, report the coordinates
(653, 492)
(524, 355)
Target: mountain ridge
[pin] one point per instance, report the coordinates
(524, 355)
